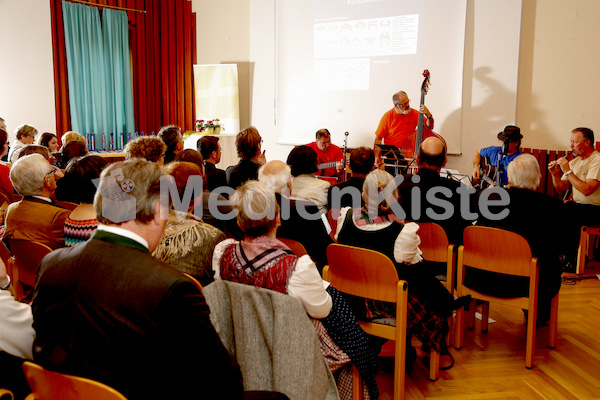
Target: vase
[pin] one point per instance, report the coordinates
(217, 130)
(209, 131)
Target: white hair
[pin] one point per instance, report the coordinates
(28, 173)
(276, 181)
(257, 208)
(524, 172)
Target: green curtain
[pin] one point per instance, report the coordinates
(99, 73)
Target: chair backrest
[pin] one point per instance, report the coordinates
(27, 255)
(332, 218)
(6, 394)
(434, 242)
(49, 385)
(4, 199)
(361, 272)
(66, 205)
(496, 250)
(4, 253)
(294, 246)
(194, 280)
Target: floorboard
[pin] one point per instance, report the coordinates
(492, 365)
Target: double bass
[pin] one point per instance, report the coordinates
(410, 146)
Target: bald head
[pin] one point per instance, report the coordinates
(276, 175)
(432, 154)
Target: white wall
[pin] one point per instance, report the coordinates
(557, 84)
(26, 69)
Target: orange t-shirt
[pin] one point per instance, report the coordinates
(394, 128)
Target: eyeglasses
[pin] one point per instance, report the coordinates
(52, 171)
(402, 105)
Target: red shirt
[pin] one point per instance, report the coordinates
(332, 154)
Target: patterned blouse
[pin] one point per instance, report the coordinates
(78, 231)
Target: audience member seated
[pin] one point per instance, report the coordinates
(210, 149)
(190, 155)
(140, 326)
(188, 243)
(69, 151)
(431, 158)
(33, 149)
(310, 232)
(376, 226)
(6, 185)
(50, 141)
(263, 261)
(35, 217)
(71, 136)
(228, 226)
(530, 214)
(328, 153)
(248, 143)
(16, 338)
(25, 134)
(172, 137)
(341, 194)
(77, 186)
(149, 148)
(306, 186)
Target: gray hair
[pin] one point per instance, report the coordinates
(376, 182)
(524, 172)
(276, 181)
(28, 173)
(128, 190)
(257, 208)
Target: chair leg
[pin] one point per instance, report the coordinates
(471, 314)
(582, 250)
(553, 322)
(400, 366)
(434, 365)
(449, 338)
(357, 384)
(459, 328)
(485, 316)
(531, 328)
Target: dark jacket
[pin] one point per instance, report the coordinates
(107, 310)
(215, 177)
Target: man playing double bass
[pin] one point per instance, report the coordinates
(400, 122)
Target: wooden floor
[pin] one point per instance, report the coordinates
(492, 365)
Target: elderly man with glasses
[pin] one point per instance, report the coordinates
(36, 217)
(399, 123)
(329, 155)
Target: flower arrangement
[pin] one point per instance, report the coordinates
(208, 126)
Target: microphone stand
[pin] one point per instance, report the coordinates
(345, 153)
(501, 160)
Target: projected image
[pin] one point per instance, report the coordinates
(367, 37)
(338, 63)
(345, 74)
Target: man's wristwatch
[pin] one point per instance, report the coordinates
(7, 285)
(569, 172)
